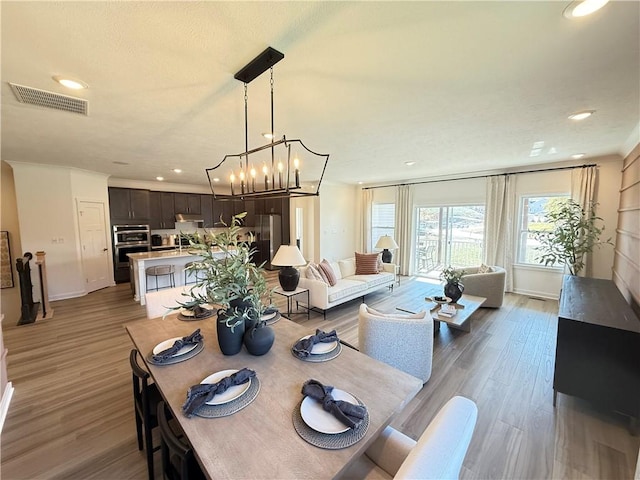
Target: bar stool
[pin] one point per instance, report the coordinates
(160, 271)
(190, 274)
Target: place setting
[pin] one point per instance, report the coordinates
(222, 393)
(271, 315)
(321, 347)
(197, 312)
(328, 417)
(176, 350)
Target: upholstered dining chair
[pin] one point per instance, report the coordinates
(404, 341)
(178, 461)
(145, 399)
(438, 453)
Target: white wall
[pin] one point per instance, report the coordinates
(46, 199)
(337, 222)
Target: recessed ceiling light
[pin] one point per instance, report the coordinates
(581, 115)
(268, 136)
(177, 170)
(578, 155)
(360, 183)
(216, 179)
(70, 82)
(160, 179)
(582, 8)
(409, 164)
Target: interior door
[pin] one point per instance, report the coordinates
(94, 239)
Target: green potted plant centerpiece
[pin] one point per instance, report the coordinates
(573, 234)
(452, 288)
(228, 277)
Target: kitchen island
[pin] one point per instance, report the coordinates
(139, 262)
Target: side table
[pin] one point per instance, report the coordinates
(290, 297)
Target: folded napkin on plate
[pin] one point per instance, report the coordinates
(201, 393)
(348, 413)
(303, 347)
(165, 355)
(269, 311)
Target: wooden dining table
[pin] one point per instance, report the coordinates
(260, 441)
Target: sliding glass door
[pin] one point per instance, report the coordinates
(448, 235)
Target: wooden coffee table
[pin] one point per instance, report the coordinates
(466, 306)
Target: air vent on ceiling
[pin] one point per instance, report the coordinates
(42, 98)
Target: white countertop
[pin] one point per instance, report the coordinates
(152, 255)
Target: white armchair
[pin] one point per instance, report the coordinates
(438, 454)
(404, 341)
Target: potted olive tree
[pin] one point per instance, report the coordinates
(227, 276)
(573, 234)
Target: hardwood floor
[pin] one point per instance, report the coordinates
(71, 416)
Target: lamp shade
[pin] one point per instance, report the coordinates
(386, 241)
(288, 256)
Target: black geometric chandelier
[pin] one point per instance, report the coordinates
(273, 170)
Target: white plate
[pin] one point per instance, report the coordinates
(162, 346)
(268, 316)
(320, 420)
(321, 347)
(230, 393)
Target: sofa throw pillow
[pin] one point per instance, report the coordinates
(484, 269)
(366, 263)
(312, 272)
(336, 270)
(347, 267)
(328, 271)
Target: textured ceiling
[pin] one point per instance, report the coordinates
(457, 87)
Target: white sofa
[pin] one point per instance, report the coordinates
(348, 286)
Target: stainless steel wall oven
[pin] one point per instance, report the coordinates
(128, 239)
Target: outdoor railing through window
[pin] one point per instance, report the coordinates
(463, 254)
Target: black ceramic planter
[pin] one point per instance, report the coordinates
(230, 340)
(259, 339)
(454, 291)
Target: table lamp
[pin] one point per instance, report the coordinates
(288, 257)
(386, 242)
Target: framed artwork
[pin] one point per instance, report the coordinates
(6, 270)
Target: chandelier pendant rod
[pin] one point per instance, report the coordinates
(273, 161)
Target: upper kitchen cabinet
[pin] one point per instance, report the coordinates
(206, 209)
(129, 205)
(187, 203)
(162, 213)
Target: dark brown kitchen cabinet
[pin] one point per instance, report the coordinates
(187, 203)
(129, 205)
(206, 209)
(162, 211)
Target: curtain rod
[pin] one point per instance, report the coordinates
(554, 169)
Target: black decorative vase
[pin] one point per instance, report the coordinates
(289, 278)
(453, 291)
(259, 339)
(229, 339)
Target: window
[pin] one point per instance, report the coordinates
(533, 218)
(383, 220)
(449, 235)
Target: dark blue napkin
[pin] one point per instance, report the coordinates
(348, 413)
(201, 393)
(303, 347)
(167, 354)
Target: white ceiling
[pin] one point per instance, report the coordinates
(457, 87)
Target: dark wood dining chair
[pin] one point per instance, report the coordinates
(145, 399)
(178, 461)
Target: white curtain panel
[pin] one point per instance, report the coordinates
(499, 217)
(367, 202)
(404, 227)
(583, 190)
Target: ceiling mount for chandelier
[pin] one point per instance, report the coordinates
(273, 170)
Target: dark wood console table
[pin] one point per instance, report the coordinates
(598, 348)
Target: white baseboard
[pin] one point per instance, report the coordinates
(4, 404)
(532, 293)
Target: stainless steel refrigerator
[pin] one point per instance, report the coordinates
(268, 237)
